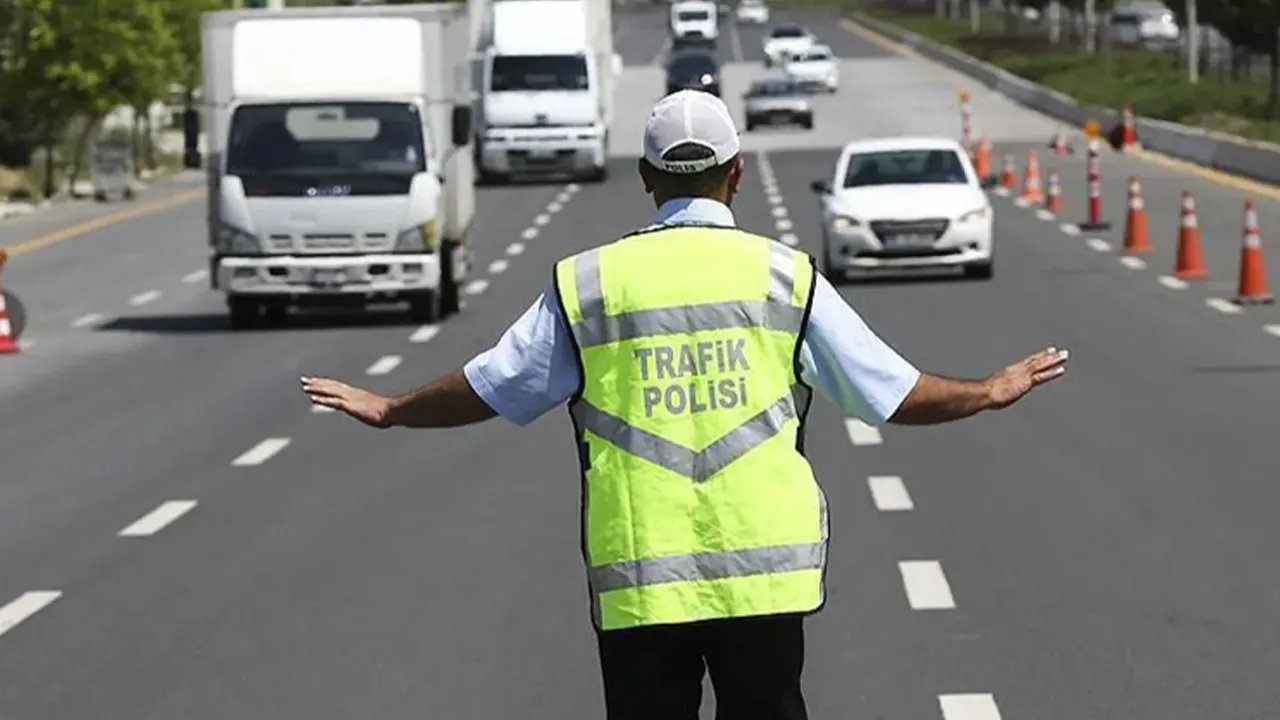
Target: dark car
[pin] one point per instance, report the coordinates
(693, 70)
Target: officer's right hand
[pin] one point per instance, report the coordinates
(369, 408)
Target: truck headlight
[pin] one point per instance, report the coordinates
(232, 240)
(844, 222)
(417, 239)
(974, 215)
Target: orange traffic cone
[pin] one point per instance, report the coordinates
(1053, 203)
(7, 331)
(1253, 272)
(1031, 190)
(1129, 139)
(1058, 145)
(1009, 175)
(1136, 238)
(1190, 264)
(982, 159)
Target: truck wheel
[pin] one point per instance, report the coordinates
(275, 314)
(243, 312)
(598, 175)
(449, 301)
(424, 307)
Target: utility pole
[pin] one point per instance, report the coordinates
(1193, 50)
(1055, 22)
(975, 16)
(1090, 27)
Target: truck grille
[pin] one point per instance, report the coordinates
(910, 232)
(329, 243)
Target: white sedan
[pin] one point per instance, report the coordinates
(752, 11)
(814, 69)
(785, 41)
(905, 204)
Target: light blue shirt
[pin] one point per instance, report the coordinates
(533, 367)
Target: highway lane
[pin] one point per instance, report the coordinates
(1104, 543)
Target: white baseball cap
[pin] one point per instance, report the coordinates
(690, 117)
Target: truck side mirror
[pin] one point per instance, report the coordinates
(822, 187)
(460, 124)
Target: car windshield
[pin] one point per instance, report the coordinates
(814, 56)
(773, 89)
(690, 15)
(904, 167)
(692, 64)
(317, 139)
(539, 72)
(787, 32)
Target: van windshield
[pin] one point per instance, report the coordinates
(692, 15)
(539, 72)
(360, 146)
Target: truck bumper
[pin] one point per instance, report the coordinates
(387, 275)
(535, 155)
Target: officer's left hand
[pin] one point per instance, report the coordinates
(369, 408)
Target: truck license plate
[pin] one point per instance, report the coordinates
(327, 277)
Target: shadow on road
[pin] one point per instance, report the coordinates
(217, 323)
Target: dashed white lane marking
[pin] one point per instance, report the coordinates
(475, 287)
(321, 409)
(779, 212)
(783, 225)
(1002, 191)
(1173, 283)
(789, 239)
(89, 320)
(424, 333)
(542, 219)
(156, 520)
(1098, 244)
(1022, 202)
(571, 188)
(27, 604)
(774, 199)
(926, 585)
(261, 452)
(974, 706)
(529, 233)
(515, 248)
(1272, 329)
(889, 493)
(563, 197)
(497, 267)
(384, 365)
(1133, 263)
(1069, 229)
(555, 207)
(144, 298)
(195, 276)
(1225, 307)
(861, 433)
(1045, 215)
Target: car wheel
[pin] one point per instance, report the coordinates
(980, 271)
(750, 126)
(807, 123)
(424, 307)
(242, 312)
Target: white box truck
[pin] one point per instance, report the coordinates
(547, 79)
(340, 167)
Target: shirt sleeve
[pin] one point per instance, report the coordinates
(849, 364)
(532, 368)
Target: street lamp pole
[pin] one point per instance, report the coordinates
(1193, 50)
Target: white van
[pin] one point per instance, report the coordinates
(694, 21)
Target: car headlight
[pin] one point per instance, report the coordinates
(844, 222)
(417, 239)
(974, 215)
(232, 240)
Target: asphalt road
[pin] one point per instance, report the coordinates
(1100, 550)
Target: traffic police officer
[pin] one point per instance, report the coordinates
(686, 352)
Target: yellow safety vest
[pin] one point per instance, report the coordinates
(697, 500)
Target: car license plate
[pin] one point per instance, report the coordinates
(910, 240)
(327, 277)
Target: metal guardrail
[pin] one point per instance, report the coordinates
(1252, 159)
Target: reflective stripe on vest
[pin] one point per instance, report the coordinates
(685, 373)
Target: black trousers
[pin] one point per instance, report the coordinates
(655, 673)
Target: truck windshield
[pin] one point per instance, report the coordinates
(539, 72)
(692, 15)
(366, 147)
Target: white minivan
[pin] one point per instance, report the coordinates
(694, 21)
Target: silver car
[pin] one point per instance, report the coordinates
(777, 102)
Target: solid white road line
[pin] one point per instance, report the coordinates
(1045, 215)
(261, 452)
(1225, 307)
(926, 585)
(554, 207)
(27, 604)
(1173, 283)
(1272, 329)
(789, 239)
(1069, 229)
(475, 287)
(156, 520)
(973, 706)
(1098, 244)
(144, 298)
(529, 233)
(783, 225)
(861, 433)
(779, 212)
(89, 320)
(424, 333)
(497, 267)
(515, 248)
(1133, 263)
(889, 493)
(542, 219)
(384, 365)
(195, 276)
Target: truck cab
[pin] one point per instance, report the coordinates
(693, 22)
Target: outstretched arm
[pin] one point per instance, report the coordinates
(937, 399)
(447, 402)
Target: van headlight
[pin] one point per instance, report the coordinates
(417, 239)
(232, 240)
(974, 215)
(844, 222)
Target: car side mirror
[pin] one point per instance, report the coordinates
(822, 187)
(460, 125)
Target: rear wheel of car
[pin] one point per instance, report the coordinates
(981, 271)
(807, 123)
(243, 312)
